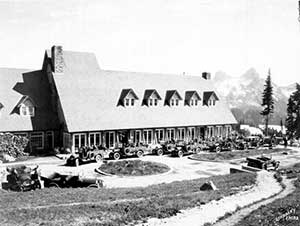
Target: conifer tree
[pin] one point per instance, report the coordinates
(291, 118)
(293, 114)
(267, 101)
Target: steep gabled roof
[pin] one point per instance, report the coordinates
(24, 99)
(170, 94)
(207, 95)
(148, 93)
(95, 107)
(124, 94)
(189, 95)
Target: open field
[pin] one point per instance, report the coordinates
(229, 155)
(283, 212)
(133, 168)
(112, 206)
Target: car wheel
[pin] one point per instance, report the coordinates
(116, 156)
(198, 150)
(159, 152)
(218, 149)
(99, 158)
(139, 153)
(180, 154)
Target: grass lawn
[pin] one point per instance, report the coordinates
(133, 168)
(229, 155)
(118, 206)
(281, 212)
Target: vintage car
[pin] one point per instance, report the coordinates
(262, 163)
(71, 181)
(252, 142)
(87, 154)
(138, 150)
(22, 178)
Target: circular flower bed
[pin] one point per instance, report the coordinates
(133, 168)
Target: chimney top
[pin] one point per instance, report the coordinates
(57, 59)
(206, 75)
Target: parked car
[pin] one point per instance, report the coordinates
(263, 163)
(86, 154)
(23, 178)
(252, 142)
(138, 150)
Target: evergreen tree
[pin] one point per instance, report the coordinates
(291, 118)
(293, 114)
(267, 101)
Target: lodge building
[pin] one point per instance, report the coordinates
(72, 102)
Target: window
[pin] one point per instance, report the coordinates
(79, 140)
(159, 134)
(148, 136)
(138, 137)
(196, 102)
(170, 134)
(150, 102)
(213, 102)
(172, 102)
(127, 98)
(26, 110)
(37, 140)
(177, 102)
(191, 133)
(94, 139)
(155, 102)
(181, 134)
(110, 139)
(192, 102)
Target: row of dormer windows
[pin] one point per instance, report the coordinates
(151, 98)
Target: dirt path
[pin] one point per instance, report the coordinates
(239, 215)
(265, 187)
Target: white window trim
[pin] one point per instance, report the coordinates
(79, 134)
(181, 134)
(114, 140)
(94, 134)
(146, 141)
(138, 133)
(168, 133)
(27, 110)
(41, 135)
(158, 132)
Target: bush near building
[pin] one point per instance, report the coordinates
(12, 145)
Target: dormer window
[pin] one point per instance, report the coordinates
(25, 107)
(26, 110)
(127, 98)
(191, 98)
(151, 97)
(210, 98)
(172, 98)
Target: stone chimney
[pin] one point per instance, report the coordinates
(57, 59)
(206, 75)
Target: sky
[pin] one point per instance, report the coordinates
(166, 36)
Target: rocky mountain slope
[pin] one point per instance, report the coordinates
(244, 95)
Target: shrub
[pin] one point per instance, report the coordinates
(12, 145)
